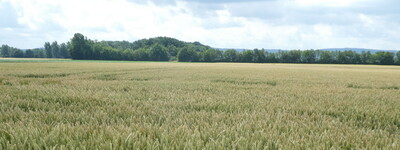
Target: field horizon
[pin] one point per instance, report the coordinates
(68, 104)
(66, 60)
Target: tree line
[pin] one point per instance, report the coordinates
(53, 50)
(170, 49)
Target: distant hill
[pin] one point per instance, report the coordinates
(357, 50)
(242, 49)
(167, 42)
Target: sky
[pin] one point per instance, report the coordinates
(270, 24)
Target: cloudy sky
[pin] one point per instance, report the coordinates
(271, 24)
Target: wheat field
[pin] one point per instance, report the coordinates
(128, 105)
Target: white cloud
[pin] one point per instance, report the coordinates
(329, 3)
(283, 24)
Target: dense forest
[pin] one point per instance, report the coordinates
(170, 49)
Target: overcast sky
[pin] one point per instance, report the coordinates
(271, 24)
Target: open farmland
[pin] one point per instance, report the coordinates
(122, 105)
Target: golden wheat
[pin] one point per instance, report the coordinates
(94, 105)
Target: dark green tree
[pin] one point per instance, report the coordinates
(5, 51)
(366, 58)
(309, 56)
(172, 50)
(81, 47)
(248, 56)
(64, 51)
(158, 53)
(294, 56)
(39, 53)
(47, 48)
(271, 57)
(326, 57)
(384, 58)
(128, 54)
(29, 53)
(347, 57)
(55, 50)
(188, 54)
(259, 55)
(18, 53)
(283, 57)
(231, 55)
(398, 58)
(141, 54)
(212, 55)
